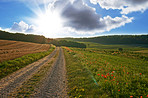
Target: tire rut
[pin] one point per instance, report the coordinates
(55, 84)
(13, 81)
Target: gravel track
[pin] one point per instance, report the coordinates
(54, 86)
(13, 81)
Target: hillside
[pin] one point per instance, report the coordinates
(115, 39)
(23, 37)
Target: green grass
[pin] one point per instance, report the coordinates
(79, 78)
(117, 76)
(115, 47)
(8, 67)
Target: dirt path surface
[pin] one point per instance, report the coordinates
(54, 86)
(13, 81)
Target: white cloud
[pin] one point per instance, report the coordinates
(112, 23)
(126, 6)
(23, 27)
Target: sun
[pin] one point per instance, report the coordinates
(49, 22)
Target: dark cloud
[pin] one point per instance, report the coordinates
(83, 18)
(79, 16)
(137, 1)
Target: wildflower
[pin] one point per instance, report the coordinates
(131, 96)
(98, 74)
(114, 77)
(147, 96)
(127, 72)
(105, 77)
(102, 75)
(108, 73)
(111, 75)
(140, 73)
(140, 96)
(119, 90)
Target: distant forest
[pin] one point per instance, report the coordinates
(38, 39)
(67, 43)
(115, 39)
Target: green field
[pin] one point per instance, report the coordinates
(102, 71)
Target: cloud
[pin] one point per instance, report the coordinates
(126, 6)
(22, 27)
(81, 18)
(112, 23)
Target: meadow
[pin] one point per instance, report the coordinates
(107, 72)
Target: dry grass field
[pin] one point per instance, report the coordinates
(13, 49)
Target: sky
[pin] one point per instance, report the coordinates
(74, 18)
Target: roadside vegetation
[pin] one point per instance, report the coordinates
(109, 73)
(10, 66)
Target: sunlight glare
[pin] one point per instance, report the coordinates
(49, 22)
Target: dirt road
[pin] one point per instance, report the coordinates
(53, 86)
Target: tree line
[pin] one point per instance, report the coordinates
(115, 39)
(67, 43)
(22, 37)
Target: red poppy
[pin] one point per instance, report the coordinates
(105, 77)
(131, 96)
(140, 73)
(111, 75)
(127, 72)
(147, 96)
(102, 75)
(98, 74)
(140, 96)
(118, 89)
(114, 77)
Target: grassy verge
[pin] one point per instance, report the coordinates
(28, 88)
(81, 83)
(11, 66)
(116, 76)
